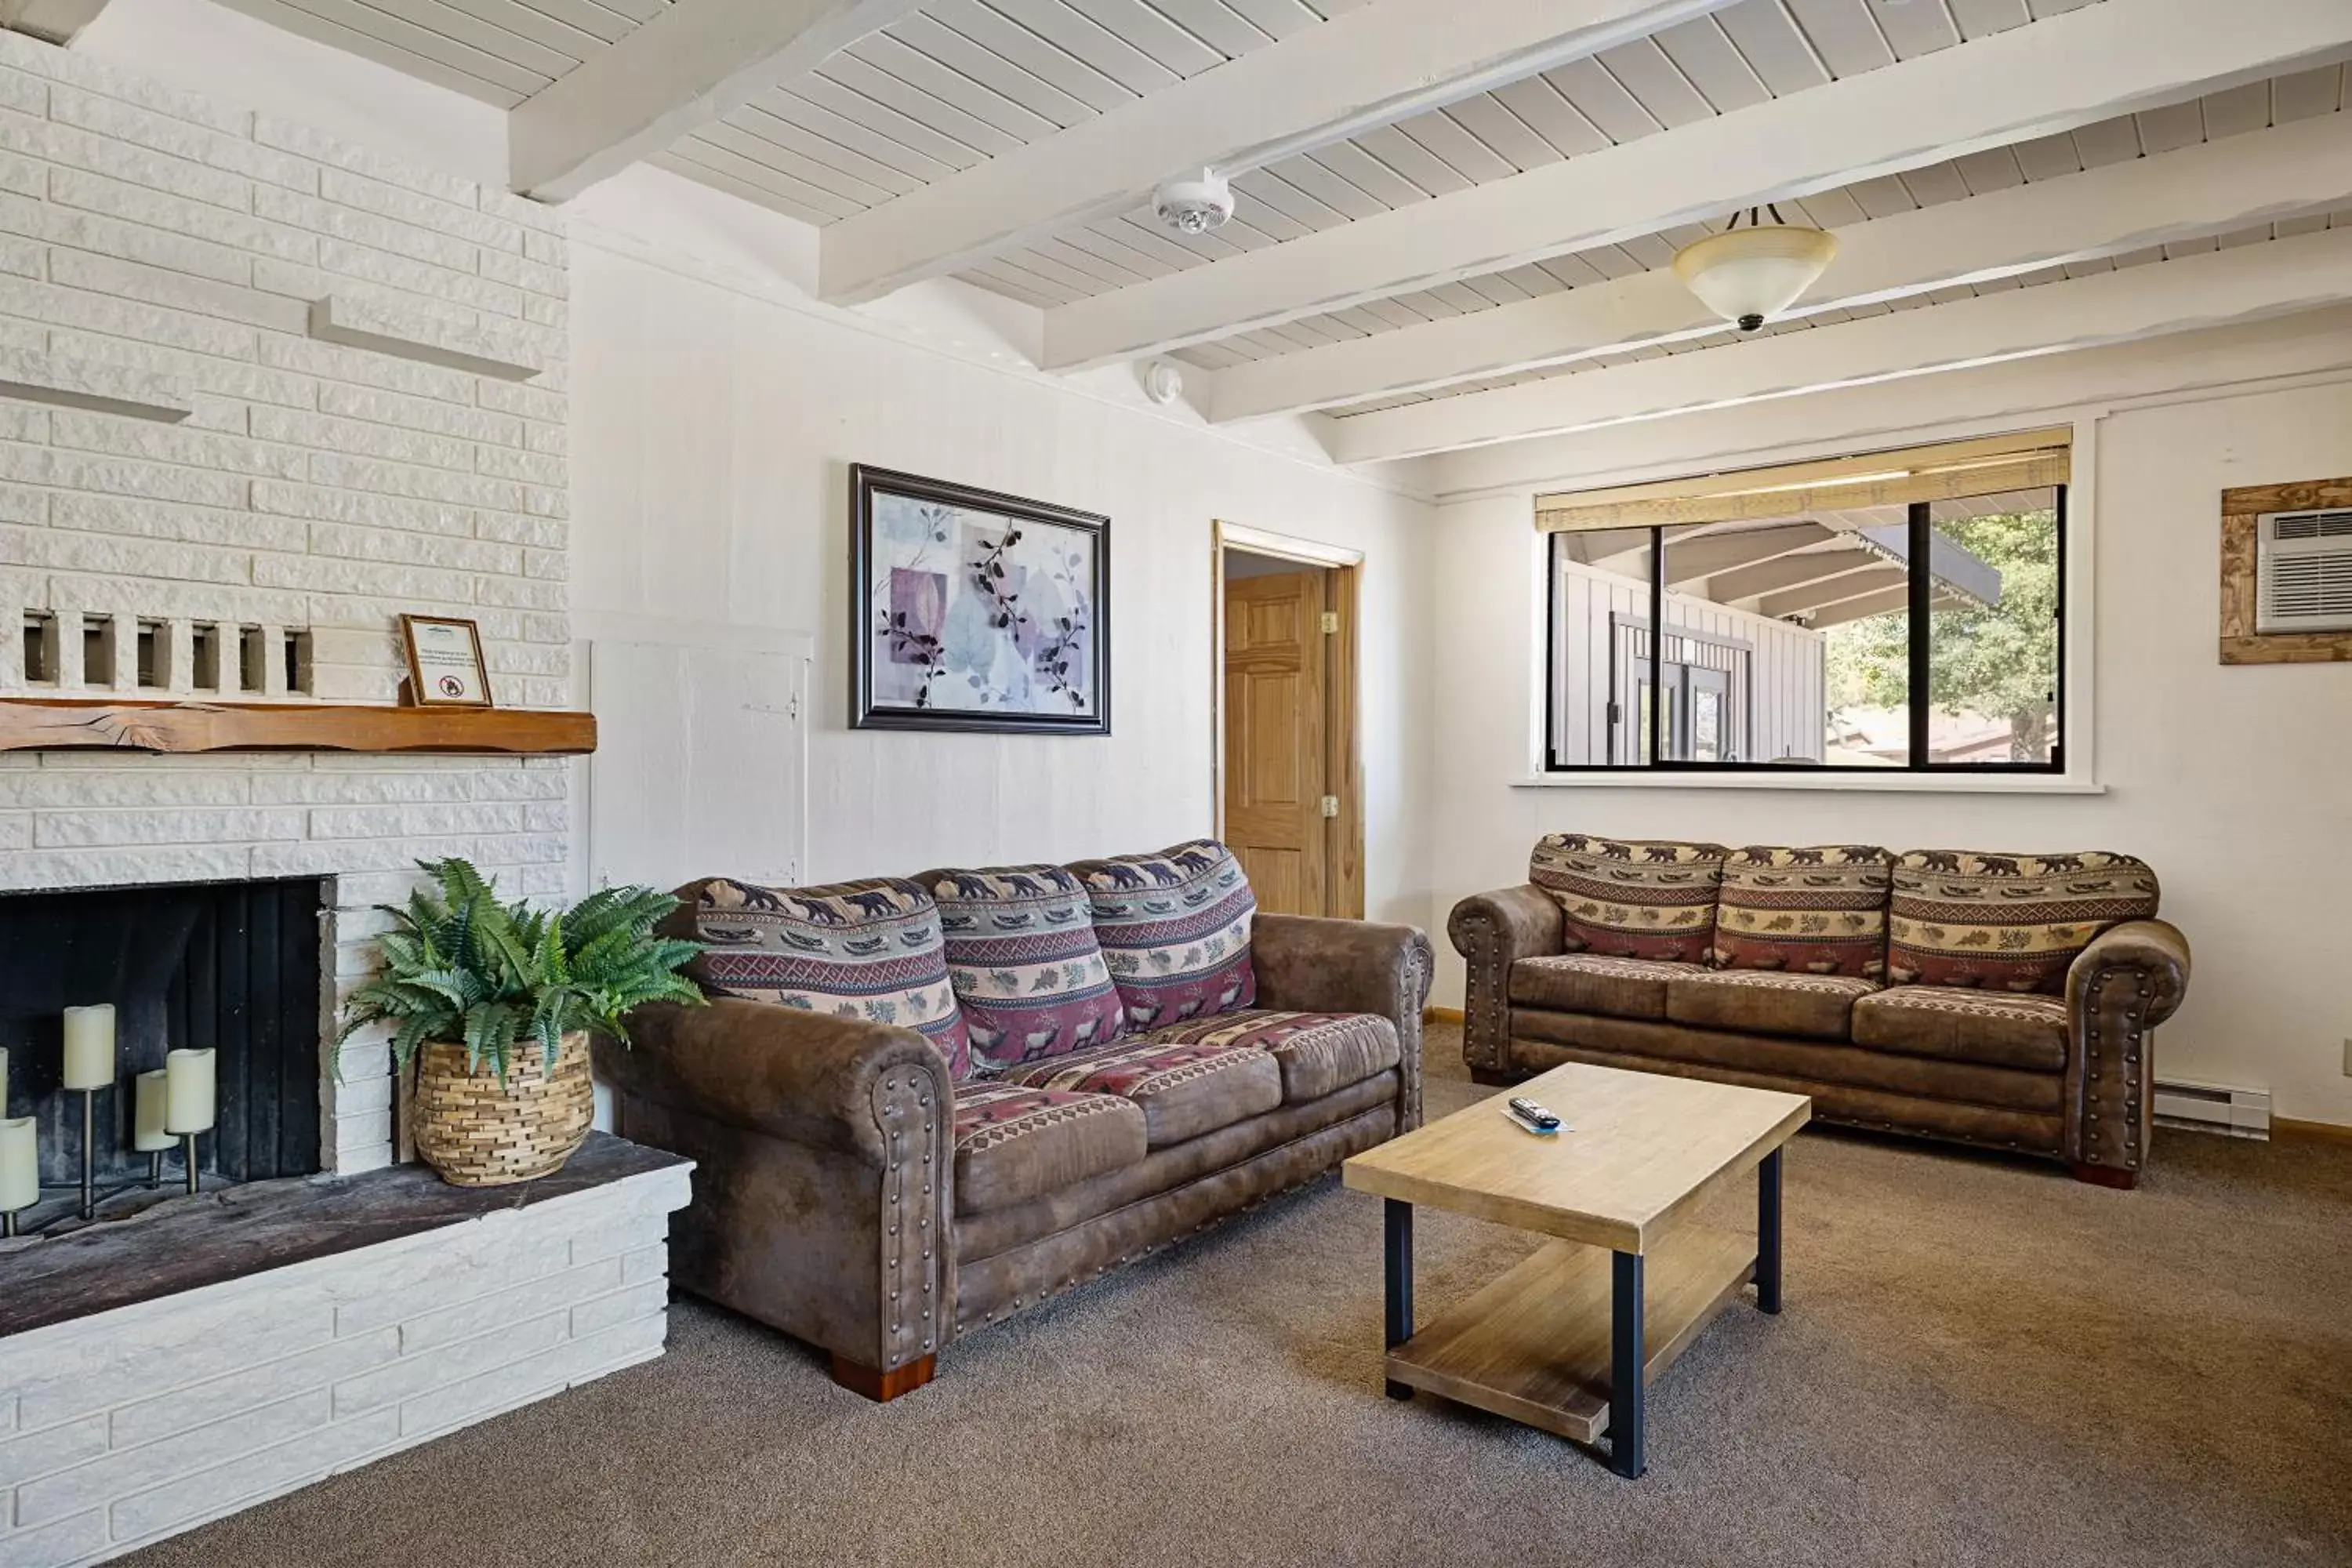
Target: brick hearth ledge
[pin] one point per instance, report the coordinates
(350, 1330)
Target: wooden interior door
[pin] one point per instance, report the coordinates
(1277, 779)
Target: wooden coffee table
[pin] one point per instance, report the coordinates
(1566, 1341)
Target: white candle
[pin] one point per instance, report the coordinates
(148, 1132)
(188, 1091)
(89, 1046)
(20, 1165)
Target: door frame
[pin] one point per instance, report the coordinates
(1343, 884)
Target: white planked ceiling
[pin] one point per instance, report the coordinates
(2258, 234)
(2252, 107)
(962, 81)
(501, 51)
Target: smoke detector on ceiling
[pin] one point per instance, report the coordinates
(1194, 204)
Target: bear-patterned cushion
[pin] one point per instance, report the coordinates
(868, 950)
(1029, 975)
(1175, 928)
(1631, 898)
(2007, 923)
(1817, 911)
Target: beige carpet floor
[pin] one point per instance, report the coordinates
(1982, 1363)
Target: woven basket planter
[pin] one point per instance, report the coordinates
(479, 1132)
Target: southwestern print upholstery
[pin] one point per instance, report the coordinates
(1319, 1053)
(1028, 972)
(867, 950)
(1632, 899)
(1819, 911)
(1015, 1144)
(1175, 928)
(1184, 1089)
(2007, 923)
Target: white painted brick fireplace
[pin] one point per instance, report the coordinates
(314, 487)
(262, 386)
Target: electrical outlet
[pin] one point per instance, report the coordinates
(2347, 1058)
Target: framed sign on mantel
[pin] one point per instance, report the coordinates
(970, 610)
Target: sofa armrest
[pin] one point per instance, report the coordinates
(1308, 964)
(788, 1072)
(823, 1189)
(2130, 979)
(1492, 931)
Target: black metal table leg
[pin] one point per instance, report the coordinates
(1397, 1217)
(1768, 1233)
(1626, 1394)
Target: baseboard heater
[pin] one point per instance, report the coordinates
(2213, 1107)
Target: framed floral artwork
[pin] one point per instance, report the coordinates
(970, 610)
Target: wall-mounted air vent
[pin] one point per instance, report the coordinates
(2303, 571)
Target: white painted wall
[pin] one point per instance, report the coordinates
(715, 423)
(717, 408)
(2232, 781)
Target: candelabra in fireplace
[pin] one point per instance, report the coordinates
(209, 1029)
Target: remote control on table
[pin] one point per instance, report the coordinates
(1532, 1116)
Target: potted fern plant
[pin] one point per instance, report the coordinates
(493, 1004)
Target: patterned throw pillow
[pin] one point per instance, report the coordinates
(1819, 911)
(2007, 923)
(1028, 972)
(866, 950)
(1632, 899)
(1176, 928)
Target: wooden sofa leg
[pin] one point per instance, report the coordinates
(2105, 1175)
(878, 1385)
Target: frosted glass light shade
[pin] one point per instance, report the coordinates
(1749, 275)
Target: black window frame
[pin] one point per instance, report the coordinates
(1920, 609)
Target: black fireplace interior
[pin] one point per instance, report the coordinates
(236, 967)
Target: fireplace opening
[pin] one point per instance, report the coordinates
(234, 968)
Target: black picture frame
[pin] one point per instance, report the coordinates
(890, 639)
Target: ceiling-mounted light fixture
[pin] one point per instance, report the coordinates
(1193, 204)
(1748, 275)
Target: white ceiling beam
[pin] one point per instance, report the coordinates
(1370, 66)
(2214, 187)
(2212, 289)
(2073, 69)
(1788, 572)
(1688, 560)
(1833, 591)
(694, 63)
(1883, 602)
(52, 21)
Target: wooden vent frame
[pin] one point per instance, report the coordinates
(2240, 509)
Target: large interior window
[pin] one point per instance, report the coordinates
(1902, 611)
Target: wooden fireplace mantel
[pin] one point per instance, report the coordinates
(75, 724)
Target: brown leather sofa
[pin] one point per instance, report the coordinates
(1998, 1000)
(852, 1190)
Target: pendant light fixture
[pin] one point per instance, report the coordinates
(1748, 275)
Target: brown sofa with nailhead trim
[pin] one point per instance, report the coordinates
(2005, 1001)
(864, 1181)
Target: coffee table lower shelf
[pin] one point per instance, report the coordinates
(1535, 1345)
